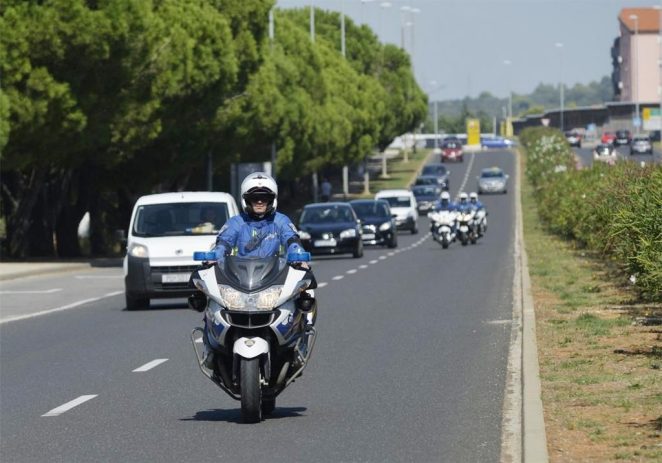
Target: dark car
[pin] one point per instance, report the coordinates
(377, 222)
(330, 228)
(623, 137)
(426, 196)
(452, 151)
(439, 170)
(574, 138)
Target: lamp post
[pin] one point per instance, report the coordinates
(635, 73)
(436, 88)
(507, 62)
(383, 6)
(659, 62)
(404, 23)
(559, 45)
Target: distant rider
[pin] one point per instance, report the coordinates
(478, 206)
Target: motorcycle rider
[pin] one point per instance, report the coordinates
(463, 204)
(260, 231)
(444, 203)
(477, 206)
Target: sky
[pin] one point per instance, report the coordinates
(460, 46)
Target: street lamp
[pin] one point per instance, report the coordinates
(635, 76)
(507, 62)
(559, 45)
(659, 62)
(435, 89)
(383, 6)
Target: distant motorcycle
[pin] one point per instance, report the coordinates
(480, 222)
(442, 227)
(466, 228)
(260, 324)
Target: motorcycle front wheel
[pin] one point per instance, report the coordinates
(251, 394)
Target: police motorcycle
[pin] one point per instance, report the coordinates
(259, 322)
(466, 228)
(442, 226)
(480, 222)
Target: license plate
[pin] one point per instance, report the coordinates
(175, 277)
(324, 243)
(368, 236)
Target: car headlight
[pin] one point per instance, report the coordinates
(385, 226)
(236, 300)
(349, 233)
(304, 235)
(138, 250)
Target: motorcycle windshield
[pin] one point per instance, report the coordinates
(249, 274)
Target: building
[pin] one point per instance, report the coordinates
(636, 56)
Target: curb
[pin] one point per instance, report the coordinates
(534, 438)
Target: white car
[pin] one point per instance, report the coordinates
(605, 153)
(403, 206)
(164, 232)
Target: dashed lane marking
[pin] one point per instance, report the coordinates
(338, 277)
(37, 291)
(69, 405)
(363, 266)
(149, 365)
(374, 261)
(322, 284)
(64, 307)
(352, 271)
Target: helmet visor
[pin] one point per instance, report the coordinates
(259, 195)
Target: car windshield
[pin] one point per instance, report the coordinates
(603, 149)
(425, 190)
(426, 181)
(326, 214)
(434, 170)
(622, 133)
(642, 139)
(180, 219)
(491, 174)
(398, 201)
(370, 209)
(451, 145)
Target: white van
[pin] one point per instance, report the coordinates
(164, 232)
(403, 206)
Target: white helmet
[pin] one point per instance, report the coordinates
(463, 197)
(445, 195)
(473, 196)
(259, 184)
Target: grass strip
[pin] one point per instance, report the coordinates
(600, 372)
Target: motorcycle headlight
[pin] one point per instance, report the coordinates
(236, 300)
(304, 235)
(138, 250)
(385, 226)
(349, 233)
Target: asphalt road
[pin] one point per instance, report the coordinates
(623, 153)
(410, 363)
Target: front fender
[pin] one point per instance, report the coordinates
(250, 347)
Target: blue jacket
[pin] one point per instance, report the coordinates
(477, 205)
(243, 235)
(451, 206)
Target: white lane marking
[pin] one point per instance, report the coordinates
(498, 322)
(69, 405)
(322, 284)
(352, 271)
(382, 257)
(338, 277)
(98, 277)
(374, 261)
(198, 340)
(363, 266)
(61, 308)
(391, 253)
(37, 291)
(149, 365)
(466, 175)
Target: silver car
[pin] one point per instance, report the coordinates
(641, 144)
(492, 180)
